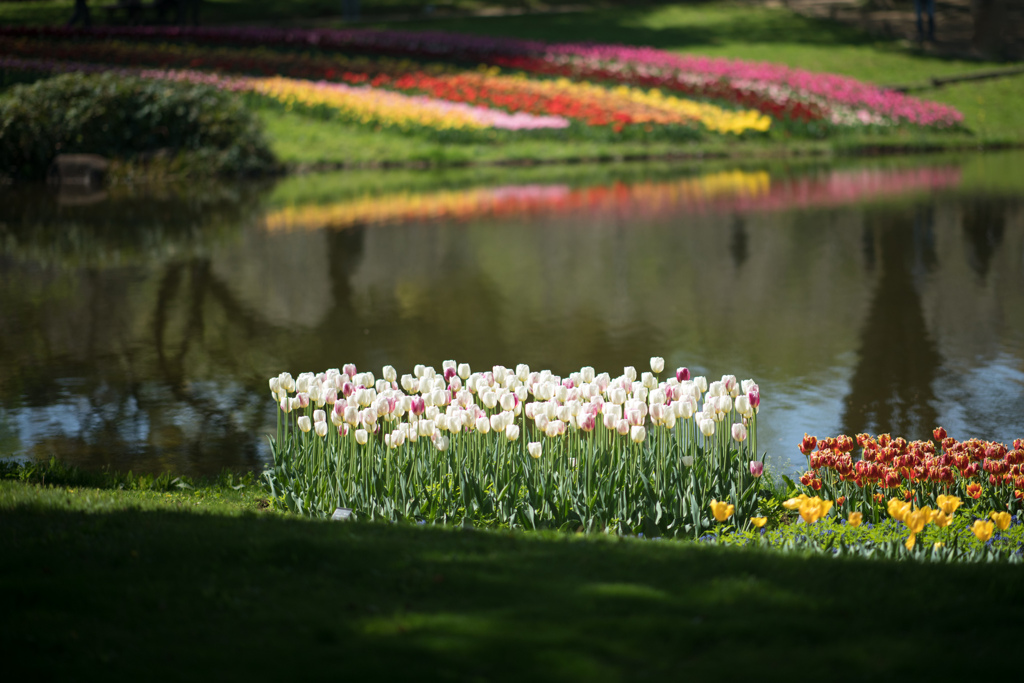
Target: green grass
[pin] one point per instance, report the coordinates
(172, 586)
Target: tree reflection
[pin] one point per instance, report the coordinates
(892, 385)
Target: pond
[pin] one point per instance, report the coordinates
(138, 327)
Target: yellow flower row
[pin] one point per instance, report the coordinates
(366, 105)
(658, 107)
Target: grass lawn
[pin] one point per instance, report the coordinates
(174, 586)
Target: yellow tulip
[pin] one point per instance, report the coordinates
(1002, 520)
(983, 530)
(814, 509)
(855, 519)
(941, 519)
(938, 544)
(722, 510)
(898, 509)
(795, 503)
(911, 541)
(948, 504)
(916, 520)
(758, 521)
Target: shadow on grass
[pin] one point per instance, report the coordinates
(112, 593)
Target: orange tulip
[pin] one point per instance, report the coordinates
(974, 490)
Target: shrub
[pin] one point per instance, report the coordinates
(123, 117)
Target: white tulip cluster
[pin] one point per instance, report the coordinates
(437, 406)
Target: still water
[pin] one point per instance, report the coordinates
(138, 327)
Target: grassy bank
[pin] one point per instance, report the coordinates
(110, 582)
(720, 29)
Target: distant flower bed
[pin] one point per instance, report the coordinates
(780, 92)
(515, 101)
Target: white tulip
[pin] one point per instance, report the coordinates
(489, 399)
(622, 427)
(707, 427)
(687, 460)
(389, 373)
(425, 427)
(637, 434)
(534, 448)
(739, 432)
(483, 425)
(286, 382)
(319, 416)
(362, 436)
(417, 370)
(512, 432)
(629, 372)
(440, 442)
(587, 374)
(497, 423)
(304, 423)
(321, 429)
(701, 382)
(464, 371)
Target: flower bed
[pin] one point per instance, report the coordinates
(518, 448)
(863, 472)
(776, 90)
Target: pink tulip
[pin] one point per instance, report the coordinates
(756, 468)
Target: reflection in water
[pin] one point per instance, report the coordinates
(891, 390)
(138, 329)
(718, 192)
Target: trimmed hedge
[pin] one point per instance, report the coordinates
(123, 117)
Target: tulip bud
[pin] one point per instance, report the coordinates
(707, 427)
(682, 374)
(687, 460)
(756, 468)
(637, 434)
(622, 427)
(629, 372)
(701, 382)
(512, 432)
(657, 364)
(389, 374)
(286, 405)
(321, 429)
(349, 369)
(464, 371)
(304, 423)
